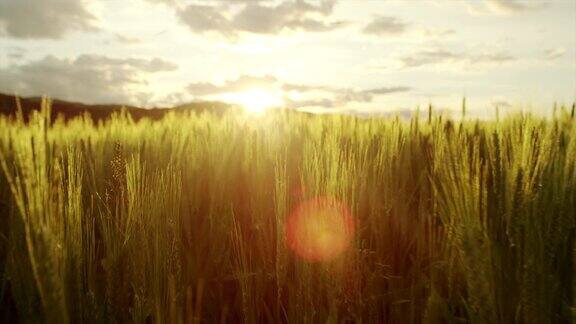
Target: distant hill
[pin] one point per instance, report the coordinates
(67, 109)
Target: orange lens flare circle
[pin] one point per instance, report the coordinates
(320, 229)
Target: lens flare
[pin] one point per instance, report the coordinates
(320, 229)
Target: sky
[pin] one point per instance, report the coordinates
(354, 56)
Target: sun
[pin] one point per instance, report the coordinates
(257, 100)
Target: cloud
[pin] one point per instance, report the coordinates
(385, 26)
(502, 7)
(202, 18)
(342, 96)
(152, 66)
(435, 33)
(383, 91)
(429, 57)
(440, 56)
(87, 78)
(307, 103)
(303, 87)
(230, 18)
(15, 53)
(244, 82)
(497, 57)
(554, 53)
(295, 95)
(50, 19)
(510, 6)
(169, 2)
(121, 38)
(292, 15)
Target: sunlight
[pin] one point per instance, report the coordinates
(320, 229)
(257, 100)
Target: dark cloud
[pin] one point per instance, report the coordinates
(202, 18)
(100, 61)
(44, 18)
(341, 97)
(296, 15)
(229, 18)
(440, 56)
(383, 91)
(88, 78)
(313, 95)
(242, 83)
(385, 26)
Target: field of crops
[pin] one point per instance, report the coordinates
(198, 218)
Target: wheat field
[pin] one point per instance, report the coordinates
(187, 219)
